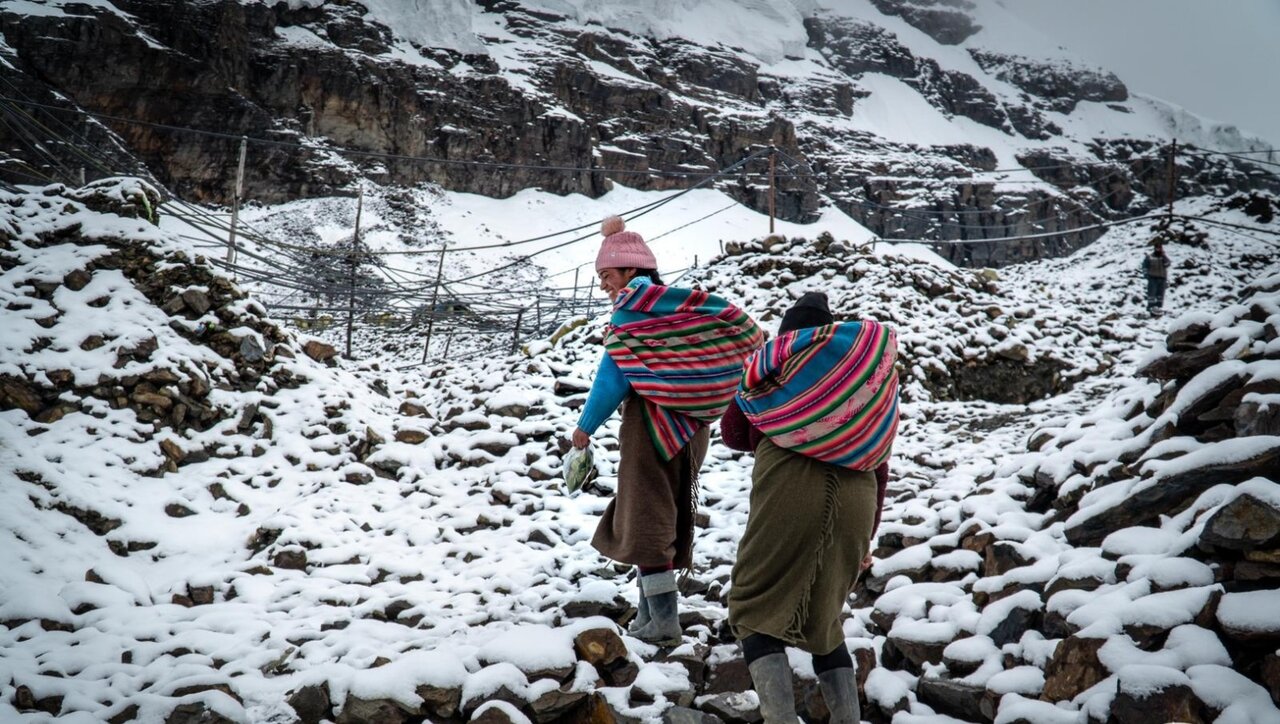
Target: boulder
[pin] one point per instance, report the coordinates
(492, 712)
(728, 676)
(1248, 617)
(196, 300)
(198, 712)
(902, 652)
(371, 711)
(949, 696)
(556, 705)
(1145, 506)
(409, 408)
(1255, 416)
(685, 715)
(411, 437)
(1270, 675)
(1187, 337)
(439, 700)
(694, 662)
(1019, 619)
(20, 394)
(1002, 557)
(1184, 365)
(1177, 703)
(319, 351)
(311, 703)
(1073, 668)
(597, 710)
(600, 647)
(1208, 399)
(1244, 524)
(293, 558)
(734, 707)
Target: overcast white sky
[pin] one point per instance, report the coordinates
(1217, 58)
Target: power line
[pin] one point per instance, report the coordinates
(1025, 237)
(652, 208)
(381, 155)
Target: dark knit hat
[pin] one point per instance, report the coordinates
(810, 310)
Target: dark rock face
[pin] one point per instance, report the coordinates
(856, 47)
(651, 111)
(1062, 86)
(1009, 381)
(227, 69)
(945, 22)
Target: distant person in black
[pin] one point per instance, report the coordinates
(1156, 268)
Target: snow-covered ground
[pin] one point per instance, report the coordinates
(379, 532)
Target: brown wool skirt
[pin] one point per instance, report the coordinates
(807, 532)
(649, 522)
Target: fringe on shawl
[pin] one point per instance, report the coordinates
(830, 513)
(695, 492)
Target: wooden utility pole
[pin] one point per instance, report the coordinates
(515, 336)
(235, 205)
(447, 342)
(355, 250)
(773, 163)
(574, 306)
(431, 313)
(1173, 176)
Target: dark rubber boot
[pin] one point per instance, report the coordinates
(642, 607)
(771, 676)
(661, 598)
(840, 692)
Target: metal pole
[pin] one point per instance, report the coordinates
(447, 341)
(773, 162)
(515, 337)
(355, 249)
(235, 205)
(573, 308)
(431, 315)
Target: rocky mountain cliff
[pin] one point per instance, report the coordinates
(895, 111)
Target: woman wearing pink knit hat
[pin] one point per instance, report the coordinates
(673, 358)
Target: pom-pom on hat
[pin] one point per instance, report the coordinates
(810, 310)
(623, 249)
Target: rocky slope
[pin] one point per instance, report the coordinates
(206, 518)
(894, 111)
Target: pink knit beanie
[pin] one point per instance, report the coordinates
(623, 249)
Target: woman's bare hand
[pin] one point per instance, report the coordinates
(580, 438)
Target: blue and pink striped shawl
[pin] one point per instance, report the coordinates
(829, 392)
(684, 357)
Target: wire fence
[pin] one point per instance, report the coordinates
(313, 285)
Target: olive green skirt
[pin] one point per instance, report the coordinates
(807, 532)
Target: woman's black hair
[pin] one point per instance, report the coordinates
(652, 274)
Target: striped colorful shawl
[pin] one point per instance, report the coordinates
(827, 392)
(684, 357)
